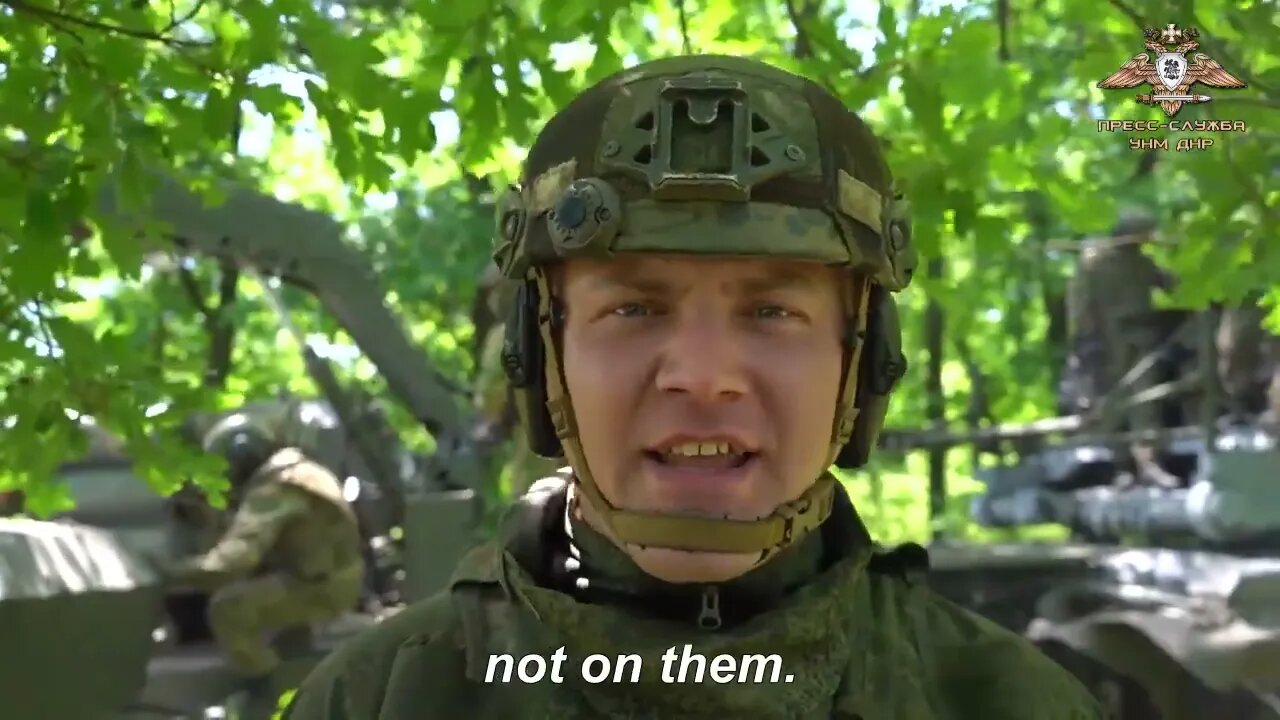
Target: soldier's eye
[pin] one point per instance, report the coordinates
(773, 312)
(632, 309)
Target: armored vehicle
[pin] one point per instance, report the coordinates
(120, 644)
(1167, 601)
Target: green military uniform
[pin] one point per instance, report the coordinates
(718, 156)
(860, 638)
(1114, 325)
(1112, 320)
(1248, 361)
(290, 557)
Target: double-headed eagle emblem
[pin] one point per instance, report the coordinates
(1172, 75)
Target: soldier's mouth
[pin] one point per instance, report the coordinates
(710, 455)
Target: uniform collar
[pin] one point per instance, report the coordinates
(593, 570)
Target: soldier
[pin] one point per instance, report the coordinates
(291, 556)
(1114, 324)
(1248, 360)
(707, 247)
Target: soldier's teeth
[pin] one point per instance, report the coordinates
(694, 449)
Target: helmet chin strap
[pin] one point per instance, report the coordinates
(787, 524)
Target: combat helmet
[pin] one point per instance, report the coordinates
(663, 158)
(244, 441)
(1134, 222)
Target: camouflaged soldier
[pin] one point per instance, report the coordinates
(707, 247)
(291, 556)
(1113, 325)
(1111, 317)
(1249, 361)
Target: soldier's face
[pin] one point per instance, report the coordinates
(671, 361)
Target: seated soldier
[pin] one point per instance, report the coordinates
(291, 556)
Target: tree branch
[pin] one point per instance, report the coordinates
(800, 18)
(1002, 20)
(60, 20)
(192, 288)
(1129, 13)
(805, 43)
(686, 44)
(221, 331)
(175, 21)
(979, 406)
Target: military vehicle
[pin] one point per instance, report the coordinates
(1166, 600)
(121, 645)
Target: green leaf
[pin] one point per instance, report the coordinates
(964, 204)
(220, 110)
(606, 61)
(480, 99)
(341, 134)
(887, 24)
(73, 338)
(264, 38)
(924, 99)
(520, 111)
(273, 101)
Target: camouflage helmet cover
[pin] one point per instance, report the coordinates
(744, 145)
(710, 155)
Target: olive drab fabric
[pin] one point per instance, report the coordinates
(291, 556)
(722, 156)
(1249, 361)
(1113, 323)
(859, 637)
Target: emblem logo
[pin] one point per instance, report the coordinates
(1172, 74)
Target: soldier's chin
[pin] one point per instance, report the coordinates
(685, 566)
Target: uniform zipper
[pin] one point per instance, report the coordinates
(709, 616)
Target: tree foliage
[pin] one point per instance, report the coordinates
(401, 118)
